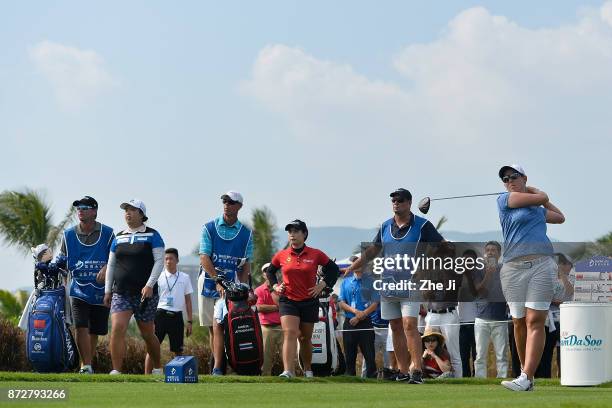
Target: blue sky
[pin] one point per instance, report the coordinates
(315, 109)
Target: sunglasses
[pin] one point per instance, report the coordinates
(229, 202)
(430, 340)
(398, 200)
(84, 207)
(513, 176)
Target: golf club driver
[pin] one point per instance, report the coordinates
(425, 203)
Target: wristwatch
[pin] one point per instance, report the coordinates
(189, 321)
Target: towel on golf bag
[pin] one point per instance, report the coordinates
(50, 346)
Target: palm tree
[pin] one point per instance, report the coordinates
(11, 305)
(25, 220)
(441, 222)
(264, 242)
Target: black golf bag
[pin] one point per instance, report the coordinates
(50, 346)
(243, 338)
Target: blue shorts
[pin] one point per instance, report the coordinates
(122, 303)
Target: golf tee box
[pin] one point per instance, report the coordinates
(182, 369)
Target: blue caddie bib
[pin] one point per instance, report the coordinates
(226, 255)
(84, 263)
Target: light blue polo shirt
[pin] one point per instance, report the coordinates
(226, 232)
(524, 230)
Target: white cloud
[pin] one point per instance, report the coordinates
(76, 76)
(485, 75)
(606, 12)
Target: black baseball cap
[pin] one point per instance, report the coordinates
(298, 225)
(86, 200)
(403, 193)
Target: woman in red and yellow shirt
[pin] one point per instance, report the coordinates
(299, 291)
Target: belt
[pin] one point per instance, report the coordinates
(447, 310)
(168, 313)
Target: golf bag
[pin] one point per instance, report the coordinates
(50, 346)
(327, 356)
(243, 338)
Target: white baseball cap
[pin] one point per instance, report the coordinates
(136, 204)
(38, 250)
(233, 195)
(265, 266)
(516, 167)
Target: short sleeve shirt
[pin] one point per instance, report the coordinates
(299, 271)
(428, 232)
(226, 232)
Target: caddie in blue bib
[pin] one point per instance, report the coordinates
(84, 263)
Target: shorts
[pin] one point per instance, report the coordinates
(170, 323)
(125, 302)
(396, 308)
(220, 310)
(528, 284)
(307, 310)
(94, 317)
(206, 305)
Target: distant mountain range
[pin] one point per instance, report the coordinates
(340, 242)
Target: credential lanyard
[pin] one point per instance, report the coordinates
(168, 283)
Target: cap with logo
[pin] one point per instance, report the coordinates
(298, 225)
(136, 204)
(86, 201)
(233, 196)
(402, 193)
(516, 167)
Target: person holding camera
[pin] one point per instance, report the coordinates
(299, 292)
(135, 263)
(490, 323)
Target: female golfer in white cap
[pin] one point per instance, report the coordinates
(529, 270)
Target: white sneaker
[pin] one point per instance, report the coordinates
(114, 372)
(156, 371)
(308, 374)
(286, 374)
(86, 369)
(520, 383)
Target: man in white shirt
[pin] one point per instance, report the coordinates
(174, 296)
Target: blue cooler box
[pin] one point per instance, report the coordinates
(182, 369)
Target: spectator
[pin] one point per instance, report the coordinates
(436, 360)
(490, 323)
(269, 317)
(87, 247)
(563, 291)
(175, 296)
(442, 306)
(466, 309)
(136, 260)
(381, 332)
(225, 242)
(358, 300)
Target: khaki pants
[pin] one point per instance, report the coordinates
(272, 343)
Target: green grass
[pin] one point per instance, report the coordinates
(146, 391)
